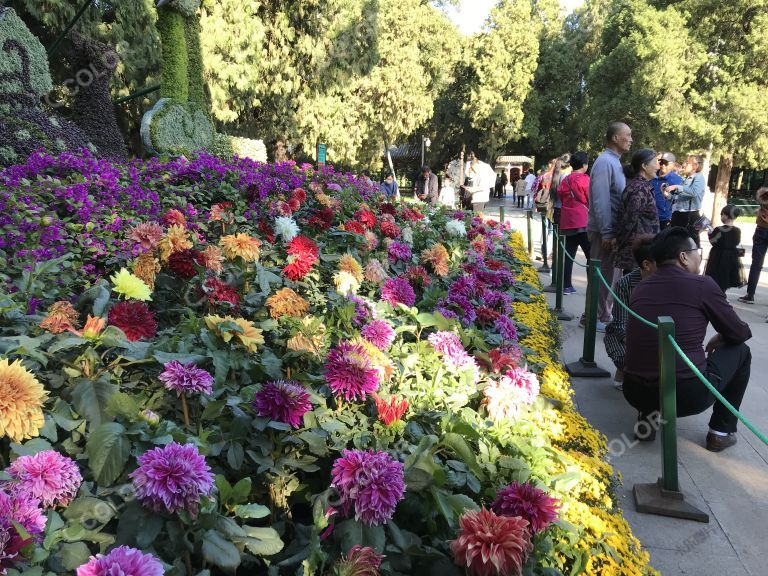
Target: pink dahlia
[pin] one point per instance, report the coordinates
(350, 372)
(491, 545)
(448, 344)
(398, 291)
(370, 481)
(134, 318)
(122, 561)
(361, 561)
(147, 235)
(399, 251)
(172, 478)
(48, 476)
(186, 378)
(379, 333)
(528, 502)
(283, 401)
(17, 507)
(526, 383)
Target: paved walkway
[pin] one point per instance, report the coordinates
(732, 486)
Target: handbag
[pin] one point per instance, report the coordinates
(701, 223)
(740, 251)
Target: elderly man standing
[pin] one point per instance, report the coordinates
(426, 187)
(606, 185)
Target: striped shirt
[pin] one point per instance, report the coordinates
(616, 331)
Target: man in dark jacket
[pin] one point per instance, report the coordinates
(426, 186)
(693, 302)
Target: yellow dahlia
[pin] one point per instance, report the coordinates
(379, 359)
(248, 335)
(61, 316)
(130, 286)
(146, 267)
(212, 258)
(310, 338)
(345, 282)
(21, 402)
(285, 302)
(175, 240)
(241, 245)
(349, 263)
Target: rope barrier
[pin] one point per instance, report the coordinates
(627, 308)
(715, 392)
(561, 240)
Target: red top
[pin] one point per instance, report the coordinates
(573, 193)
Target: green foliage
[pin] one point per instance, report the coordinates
(196, 80)
(175, 67)
(173, 127)
(226, 146)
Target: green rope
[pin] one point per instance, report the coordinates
(561, 241)
(627, 308)
(717, 394)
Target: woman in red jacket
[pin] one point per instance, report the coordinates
(573, 193)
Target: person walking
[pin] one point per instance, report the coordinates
(606, 186)
(688, 196)
(573, 193)
(724, 262)
(637, 214)
(666, 176)
(759, 246)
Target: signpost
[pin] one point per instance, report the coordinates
(321, 153)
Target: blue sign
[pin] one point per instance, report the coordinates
(321, 150)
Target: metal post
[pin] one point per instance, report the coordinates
(664, 496)
(559, 268)
(55, 46)
(555, 249)
(545, 267)
(138, 94)
(529, 219)
(586, 367)
(502, 216)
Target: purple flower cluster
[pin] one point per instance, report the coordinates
(47, 476)
(398, 291)
(172, 478)
(362, 310)
(17, 507)
(379, 333)
(370, 481)
(122, 560)
(283, 401)
(186, 378)
(528, 502)
(399, 252)
(506, 327)
(350, 372)
(449, 345)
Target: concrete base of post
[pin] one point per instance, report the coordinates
(563, 315)
(584, 369)
(545, 269)
(654, 499)
(551, 289)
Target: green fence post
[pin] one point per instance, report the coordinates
(502, 216)
(545, 267)
(586, 367)
(555, 266)
(664, 496)
(529, 219)
(559, 268)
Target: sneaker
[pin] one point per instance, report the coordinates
(645, 430)
(583, 321)
(717, 443)
(601, 326)
(747, 299)
(569, 290)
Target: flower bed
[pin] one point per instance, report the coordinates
(297, 380)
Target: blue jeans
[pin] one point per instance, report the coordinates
(759, 247)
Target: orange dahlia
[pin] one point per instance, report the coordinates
(145, 267)
(285, 302)
(242, 246)
(437, 258)
(61, 316)
(93, 326)
(212, 258)
(175, 240)
(21, 402)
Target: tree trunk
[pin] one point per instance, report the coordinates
(724, 169)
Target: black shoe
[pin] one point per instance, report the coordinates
(645, 428)
(747, 299)
(717, 443)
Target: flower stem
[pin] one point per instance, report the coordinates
(185, 409)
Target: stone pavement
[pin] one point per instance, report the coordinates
(732, 486)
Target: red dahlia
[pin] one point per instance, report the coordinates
(294, 204)
(304, 252)
(218, 292)
(266, 229)
(299, 195)
(390, 229)
(182, 263)
(135, 319)
(388, 208)
(486, 315)
(355, 227)
(366, 218)
(494, 264)
(323, 219)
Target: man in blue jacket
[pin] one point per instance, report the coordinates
(667, 176)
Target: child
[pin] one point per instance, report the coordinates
(724, 264)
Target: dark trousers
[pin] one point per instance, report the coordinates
(759, 247)
(727, 369)
(572, 244)
(663, 224)
(686, 220)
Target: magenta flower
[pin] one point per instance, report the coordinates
(283, 401)
(48, 476)
(528, 502)
(17, 507)
(122, 561)
(379, 333)
(349, 372)
(398, 291)
(186, 378)
(526, 383)
(361, 561)
(172, 478)
(370, 481)
(448, 344)
(506, 328)
(147, 235)
(399, 251)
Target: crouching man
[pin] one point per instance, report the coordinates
(693, 302)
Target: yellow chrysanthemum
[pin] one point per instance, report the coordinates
(146, 267)
(345, 283)
(248, 335)
(61, 316)
(130, 286)
(285, 302)
(21, 402)
(349, 264)
(310, 338)
(241, 246)
(175, 240)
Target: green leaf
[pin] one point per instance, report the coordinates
(462, 449)
(122, 404)
(138, 527)
(316, 442)
(66, 344)
(108, 450)
(251, 511)
(241, 491)
(224, 487)
(353, 533)
(31, 447)
(220, 552)
(89, 508)
(90, 399)
(262, 541)
(184, 358)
